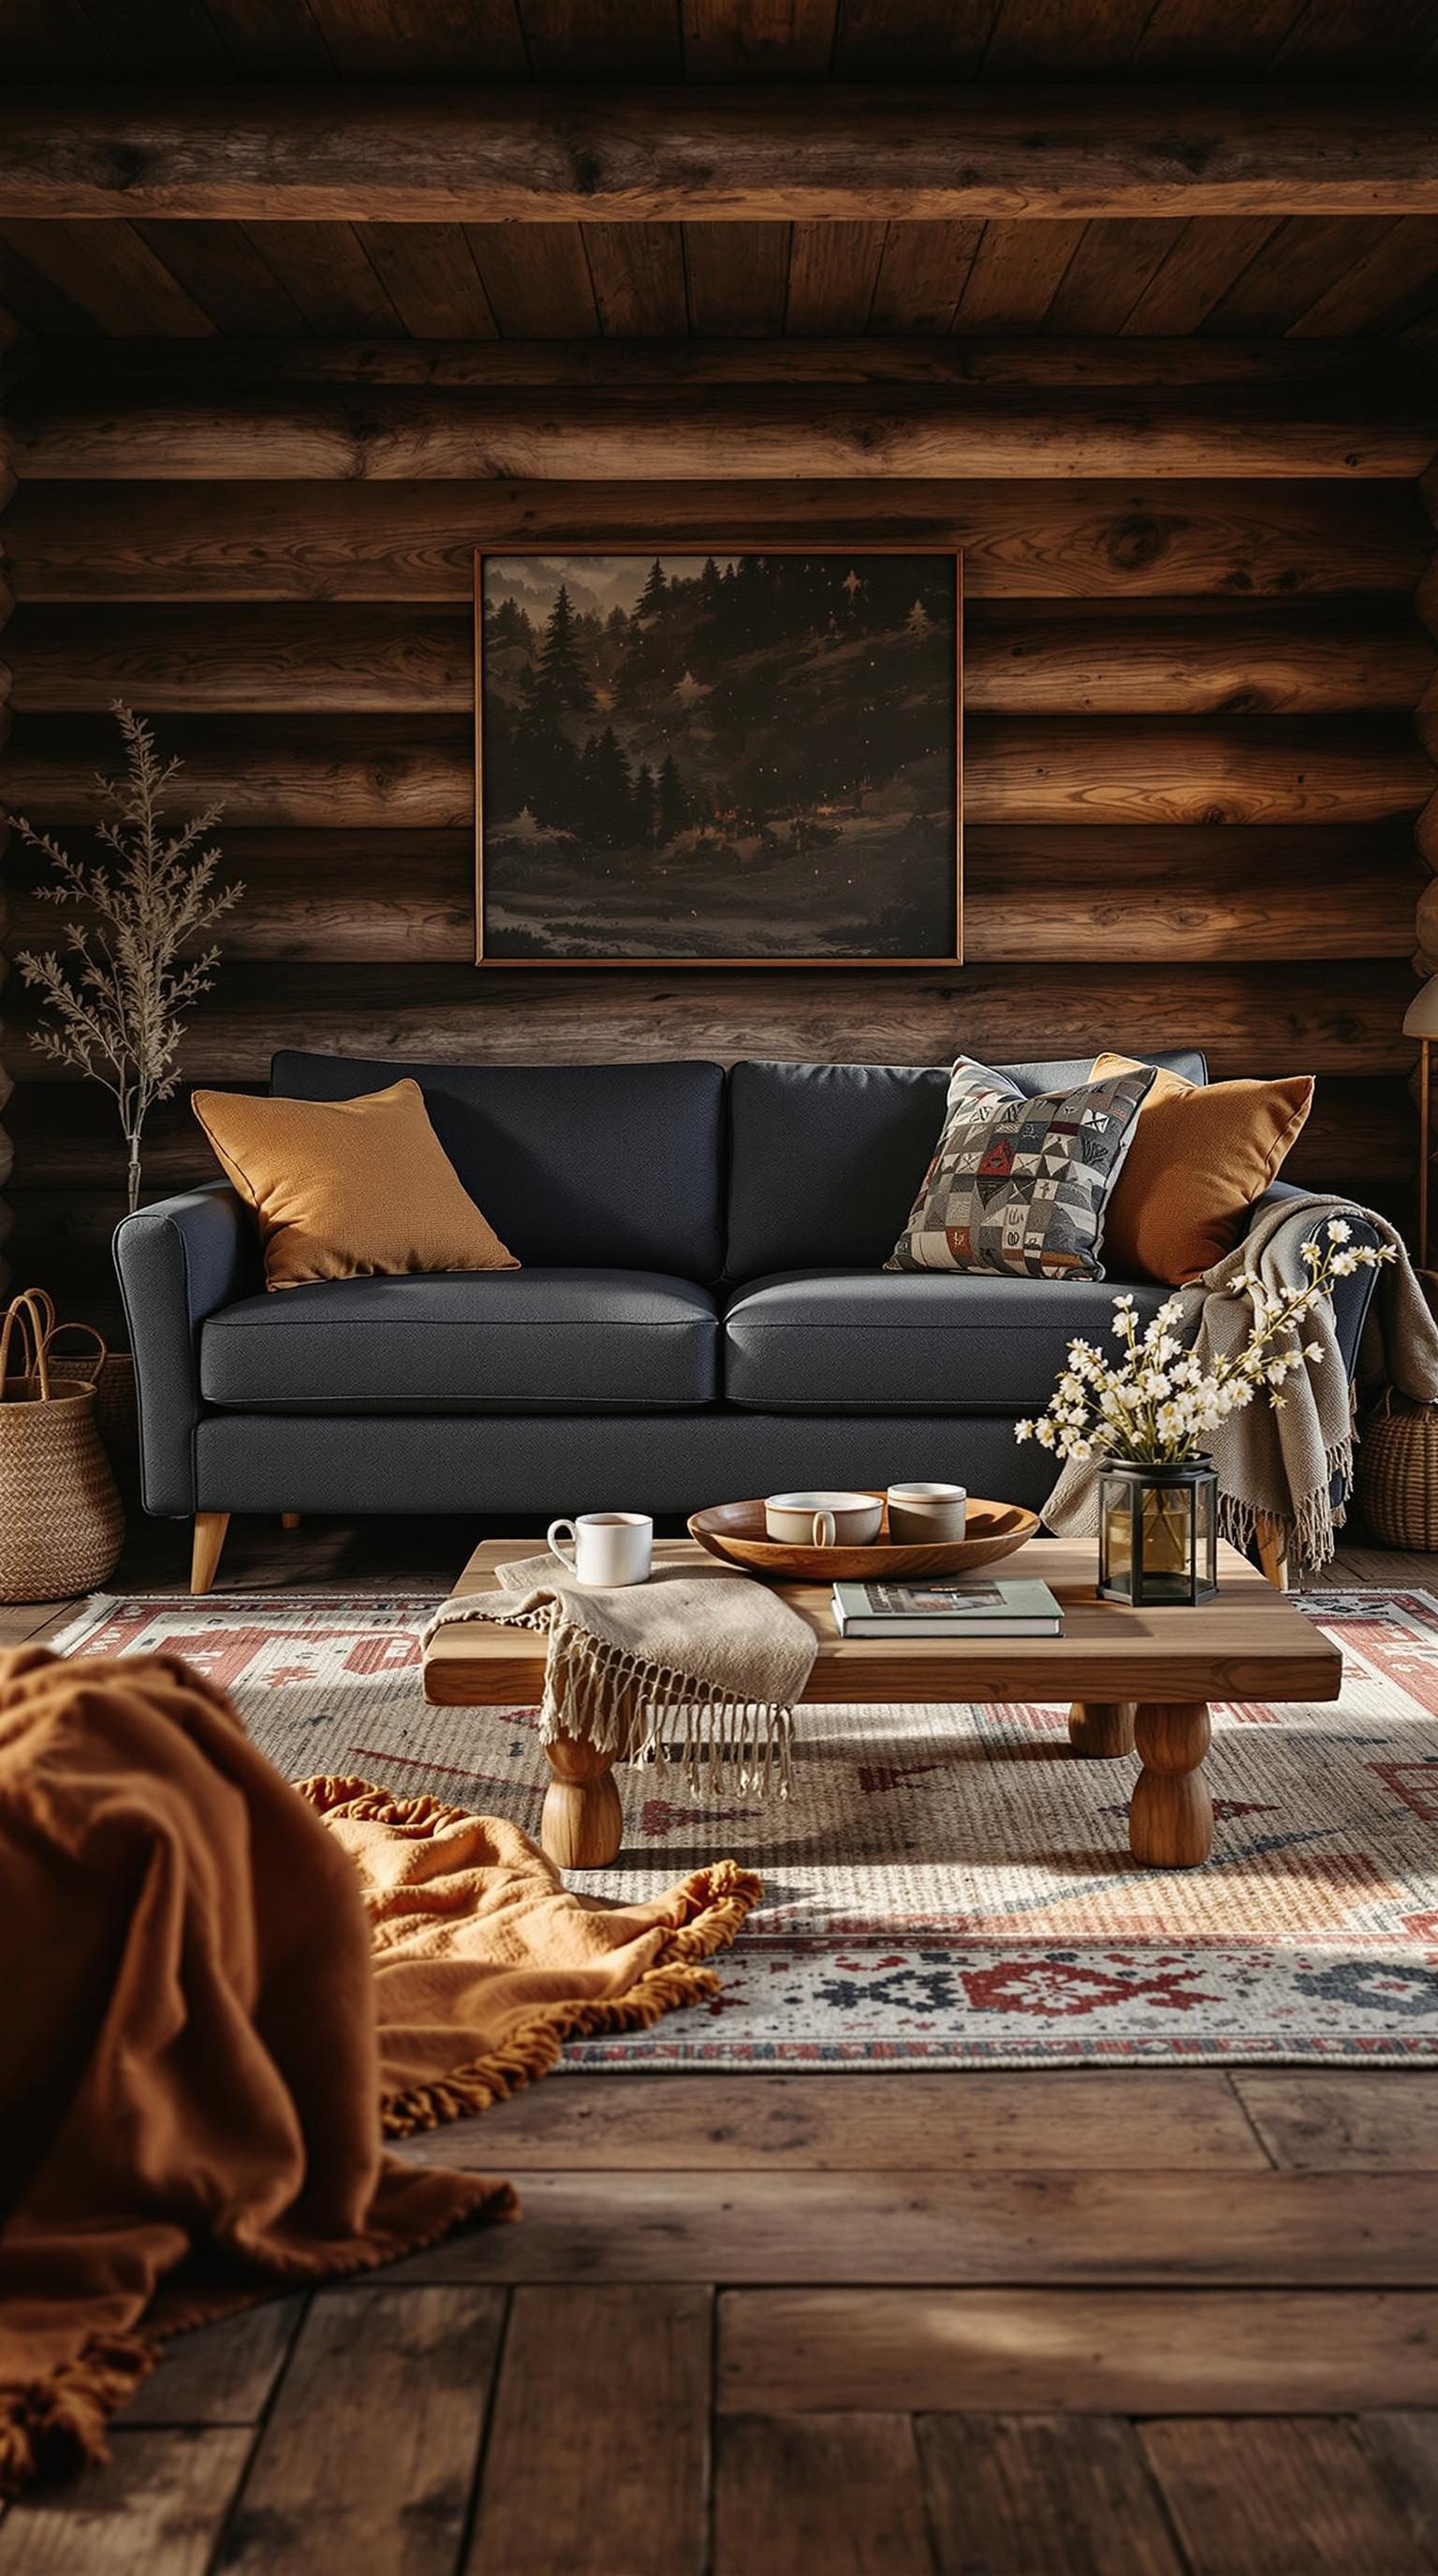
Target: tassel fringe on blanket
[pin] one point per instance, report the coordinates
(622, 1703)
(707, 1653)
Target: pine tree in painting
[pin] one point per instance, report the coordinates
(655, 592)
(561, 683)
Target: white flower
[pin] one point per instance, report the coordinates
(1311, 1351)
(1339, 1230)
(1080, 1448)
(1023, 1431)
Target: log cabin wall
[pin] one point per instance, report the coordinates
(1192, 664)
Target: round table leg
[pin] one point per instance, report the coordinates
(1101, 1728)
(1170, 1817)
(581, 1825)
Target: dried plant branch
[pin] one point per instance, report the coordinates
(113, 999)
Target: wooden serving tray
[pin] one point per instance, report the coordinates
(736, 1531)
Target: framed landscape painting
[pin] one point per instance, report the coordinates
(750, 756)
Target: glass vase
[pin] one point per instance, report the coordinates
(1158, 1532)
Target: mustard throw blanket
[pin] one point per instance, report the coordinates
(211, 1985)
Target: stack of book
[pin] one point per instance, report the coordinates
(978, 1608)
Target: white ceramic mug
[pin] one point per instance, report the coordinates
(609, 1547)
(824, 1520)
(920, 1514)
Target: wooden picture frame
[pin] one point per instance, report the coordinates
(539, 905)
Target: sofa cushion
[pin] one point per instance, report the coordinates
(615, 1165)
(826, 1159)
(537, 1340)
(851, 1341)
(348, 1189)
(1020, 1183)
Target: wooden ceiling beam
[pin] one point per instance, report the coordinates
(814, 154)
(403, 434)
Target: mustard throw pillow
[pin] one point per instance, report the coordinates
(349, 1189)
(1201, 1154)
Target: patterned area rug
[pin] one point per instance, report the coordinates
(946, 1887)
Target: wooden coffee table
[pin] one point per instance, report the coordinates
(1138, 1680)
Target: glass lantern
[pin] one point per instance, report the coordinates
(1158, 1532)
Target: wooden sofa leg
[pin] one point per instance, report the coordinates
(290, 1520)
(210, 1528)
(1272, 1553)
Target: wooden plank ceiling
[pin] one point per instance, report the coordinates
(714, 40)
(1321, 277)
(1304, 277)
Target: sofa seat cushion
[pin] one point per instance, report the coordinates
(538, 1340)
(860, 1341)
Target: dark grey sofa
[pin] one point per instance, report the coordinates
(702, 1311)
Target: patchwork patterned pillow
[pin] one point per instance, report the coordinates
(1020, 1186)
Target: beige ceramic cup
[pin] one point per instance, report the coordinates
(920, 1515)
(610, 1548)
(824, 1519)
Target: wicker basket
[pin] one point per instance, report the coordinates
(61, 1521)
(1397, 1473)
(111, 1374)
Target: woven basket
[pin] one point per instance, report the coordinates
(111, 1374)
(1397, 1473)
(61, 1521)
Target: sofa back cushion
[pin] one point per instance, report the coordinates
(825, 1159)
(610, 1166)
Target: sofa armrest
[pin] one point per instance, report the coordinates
(1352, 1296)
(179, 1262)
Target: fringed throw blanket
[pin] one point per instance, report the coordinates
(484, 1963)
(704, 1649)
(1280, 1465)
(211, 1986)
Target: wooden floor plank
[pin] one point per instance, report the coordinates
(223, 2374)
(794, 2494)
(1279, 2499)
(1100, 2352)
(20, 1621)
(368, 2460)
(1404, 2449)
(1387, 1568)
(157, 2506)
(859, 2123)
(1298, 2230)
(1369, 2121)
(598, 2453)
(1070, 2495)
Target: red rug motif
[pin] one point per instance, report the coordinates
(946, 1887)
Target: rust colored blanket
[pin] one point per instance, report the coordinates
(208, 1984)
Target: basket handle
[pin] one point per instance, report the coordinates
(27, 1314)
(102, 1347)
(29, 1303)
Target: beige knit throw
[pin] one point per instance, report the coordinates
(1281, 1465)
(704, 1648)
